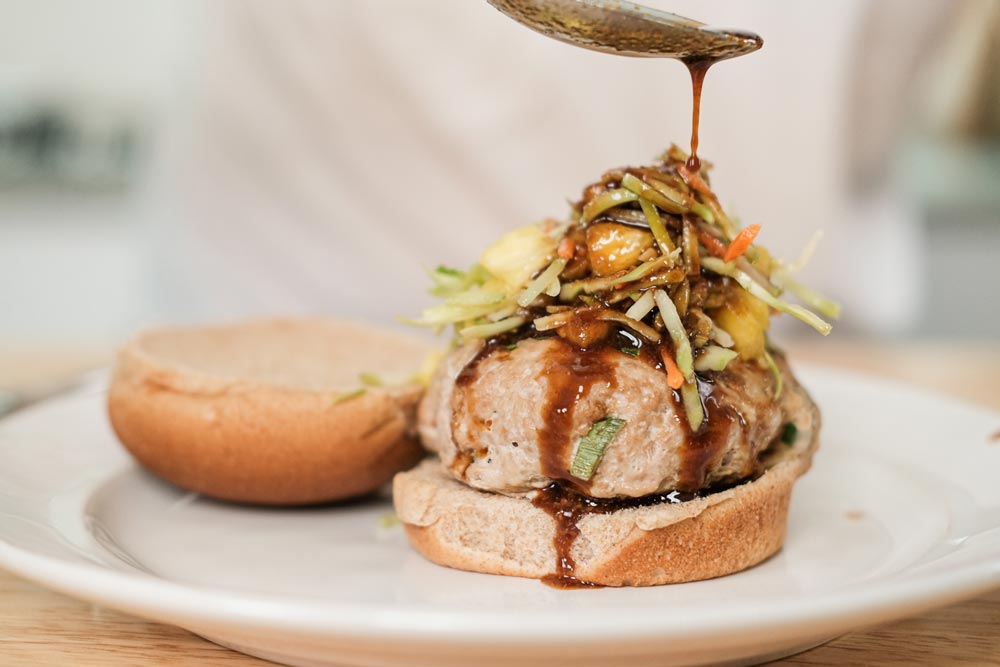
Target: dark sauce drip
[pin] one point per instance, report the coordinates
(703, 447)
(698, 69)
(571, 372)
(567, 507)
(498, 343)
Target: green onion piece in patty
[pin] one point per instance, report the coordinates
(789, 433)
(592, 446)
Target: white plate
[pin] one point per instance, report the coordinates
(900, 513)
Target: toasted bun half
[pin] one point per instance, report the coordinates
(250, 412)
(455, 525)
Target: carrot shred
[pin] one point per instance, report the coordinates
(694, 180)
(567, 248)
(741, 243)
(715, 247)
(674, 376)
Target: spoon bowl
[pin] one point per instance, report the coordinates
(628, 29)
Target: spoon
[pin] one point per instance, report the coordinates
(628, 29)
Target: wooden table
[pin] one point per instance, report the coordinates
(45, 628)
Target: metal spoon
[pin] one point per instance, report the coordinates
(628, 29)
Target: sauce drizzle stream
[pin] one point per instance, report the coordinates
(698, 69)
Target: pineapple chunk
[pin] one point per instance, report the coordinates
(745, 318)
(519, 254)
(612, 247)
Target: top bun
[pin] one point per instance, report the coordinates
(250, 412)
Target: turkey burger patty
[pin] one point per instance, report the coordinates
(488, 414)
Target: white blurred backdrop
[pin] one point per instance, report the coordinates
(183, 161)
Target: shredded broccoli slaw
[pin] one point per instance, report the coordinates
(649, 250)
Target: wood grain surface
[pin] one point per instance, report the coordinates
(39, 627)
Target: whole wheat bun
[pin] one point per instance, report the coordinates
(455, 525)
(249, 412)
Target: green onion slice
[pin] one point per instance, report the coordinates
(807, 295)
(606, 200)
(644, 330)
(649, 193)
(592, 446)
(682, 344)
(806, 254)
(721, 219)
(540, 283)
(703, 212)
(721, 336)
(491, 329)
(553, 321)
(502, 314)
(346, 396)
(446, 314)
(746, 282)
(475, 296)
(646, 268)
(693, 408)
(448, 281)
(572, 290)
(773, 367)
(714, 358)
(657, 227)
(670, 192)
(641, 307)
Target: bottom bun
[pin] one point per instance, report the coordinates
(457, 526)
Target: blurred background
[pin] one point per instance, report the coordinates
(188, 161)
